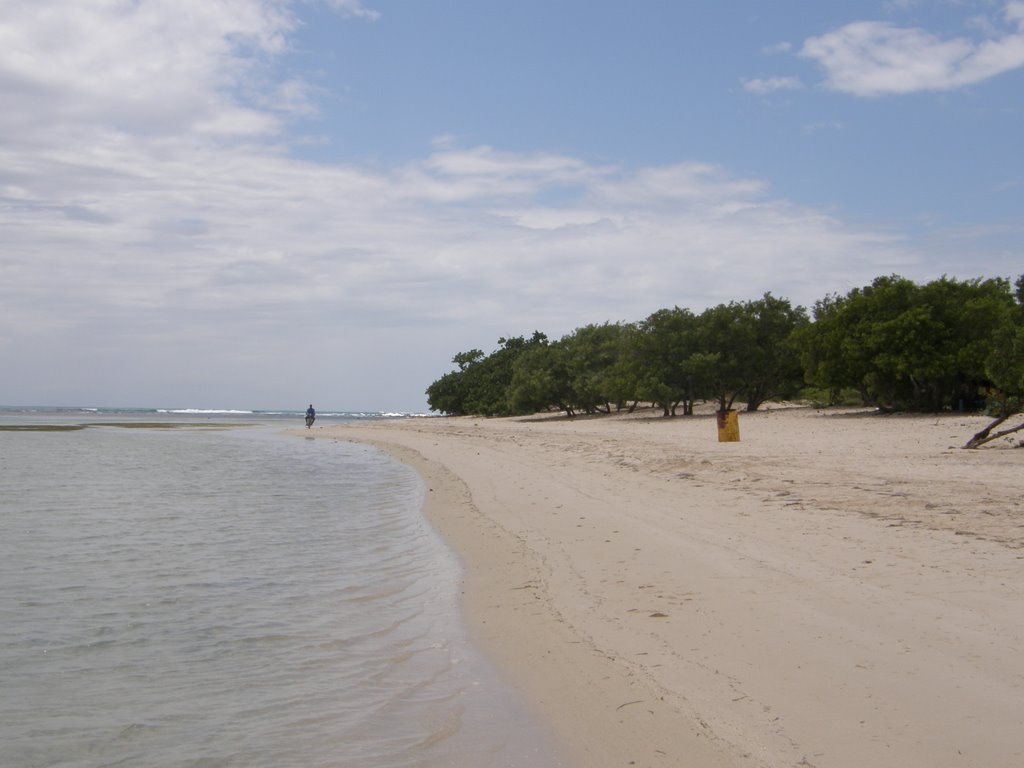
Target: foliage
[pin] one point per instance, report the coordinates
(1005, 367)
(772, 366)
(746, 351)
(896, 344)
(905, 346)
(723, 339)
(658, 358)
(579, 372)
(591, 353)
(540, 381)
(481, 384)
(447, 394)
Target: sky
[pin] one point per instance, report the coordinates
(265, 203)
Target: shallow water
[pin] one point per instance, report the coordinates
(233, 597)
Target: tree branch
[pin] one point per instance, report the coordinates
(985, 435)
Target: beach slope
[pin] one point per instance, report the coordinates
(838, 589)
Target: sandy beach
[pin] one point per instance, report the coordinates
(840, 589)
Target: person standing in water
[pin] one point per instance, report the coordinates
(310, 416)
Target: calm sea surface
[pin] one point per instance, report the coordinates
(225, 595)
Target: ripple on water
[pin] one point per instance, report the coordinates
(233, 598)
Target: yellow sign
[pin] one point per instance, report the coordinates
(728, 426)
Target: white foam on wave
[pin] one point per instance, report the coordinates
(201, 410)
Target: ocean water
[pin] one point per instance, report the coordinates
(181, 590)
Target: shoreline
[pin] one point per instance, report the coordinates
(566, 683)
(839, 589)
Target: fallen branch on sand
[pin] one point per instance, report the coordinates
(1006, 412)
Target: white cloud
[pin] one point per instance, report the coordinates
(870, 58)
(159, 66)
(152, 222)
(764, 85)
(293, 97)
(168, 234)
(354, 8)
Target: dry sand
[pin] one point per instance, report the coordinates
(839, 589)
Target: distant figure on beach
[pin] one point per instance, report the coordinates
(310, 416)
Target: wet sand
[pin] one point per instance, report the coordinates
(840, 588)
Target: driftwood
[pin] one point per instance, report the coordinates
(987, 435)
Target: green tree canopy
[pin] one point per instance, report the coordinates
(481, 384)
(658, 357)
(905, 346)
(1005, 368)
(540, 380)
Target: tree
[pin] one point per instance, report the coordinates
(1005, 367)
(771, 364)
(590, 356)
(620, 381)
(725, 340)
(658, 353)
(540, 380)
(481, 384)
(904, 346)
(828, 359)
(451, 392)
(446, 395)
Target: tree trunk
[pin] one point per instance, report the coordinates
(986, 436)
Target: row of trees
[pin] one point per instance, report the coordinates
(896, 344)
